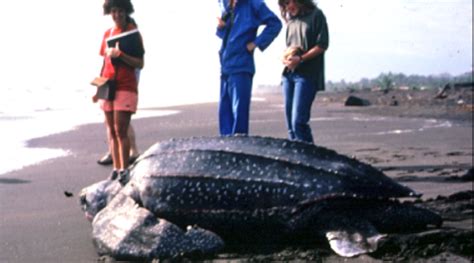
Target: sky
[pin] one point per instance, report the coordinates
(56, 43)
(408, 36)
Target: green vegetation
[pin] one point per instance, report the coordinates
(388, 81)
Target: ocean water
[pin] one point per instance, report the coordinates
(32, 113)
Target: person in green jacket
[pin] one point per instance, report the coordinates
(303, 75)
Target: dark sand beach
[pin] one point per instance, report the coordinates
(422, 142)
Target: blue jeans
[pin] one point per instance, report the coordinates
(299, 95)
(234, 103)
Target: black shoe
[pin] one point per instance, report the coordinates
(114, 175)
(105, 160)
(124, 177)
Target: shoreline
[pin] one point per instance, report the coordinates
(22, 150)
(40, 224)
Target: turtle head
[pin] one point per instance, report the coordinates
(95, 197)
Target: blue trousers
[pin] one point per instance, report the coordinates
(234, 103)
(299, 95)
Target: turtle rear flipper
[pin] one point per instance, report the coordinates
(350, 237)
(349, 233)
(350, 244)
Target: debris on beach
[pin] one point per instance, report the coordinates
(356, 101)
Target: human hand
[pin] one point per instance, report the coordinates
(113, 52)
(292, 62)
(292, 57)
(220, 23)
(251, 47)
(95, 98)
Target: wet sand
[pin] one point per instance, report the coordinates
(428, 152)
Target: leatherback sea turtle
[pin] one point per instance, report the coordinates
(193, 194)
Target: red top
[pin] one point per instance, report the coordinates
(126, 79)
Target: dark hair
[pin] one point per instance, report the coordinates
(123, 4)
(304, 5)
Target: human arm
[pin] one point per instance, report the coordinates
(222, 19)
(134, 62)
(220, 32)
(272, 24)
(292, 62)
(115, 52)
(220, 28)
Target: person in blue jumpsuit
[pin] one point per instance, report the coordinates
(237, 27)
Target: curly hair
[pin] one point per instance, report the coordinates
(123, 4)
(305, 6)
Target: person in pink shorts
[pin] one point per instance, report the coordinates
(120, 66)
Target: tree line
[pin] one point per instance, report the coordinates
(387, 81)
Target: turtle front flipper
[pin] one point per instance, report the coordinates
(126, 231)
(95, 197)
(349, 239)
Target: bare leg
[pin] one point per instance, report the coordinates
(122, 122)
(134, 153)
(133, 144)
(106, 159)
(112, 137)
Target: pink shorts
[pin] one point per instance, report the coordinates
(124, 101)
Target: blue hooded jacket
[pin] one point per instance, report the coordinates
(248, 16)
